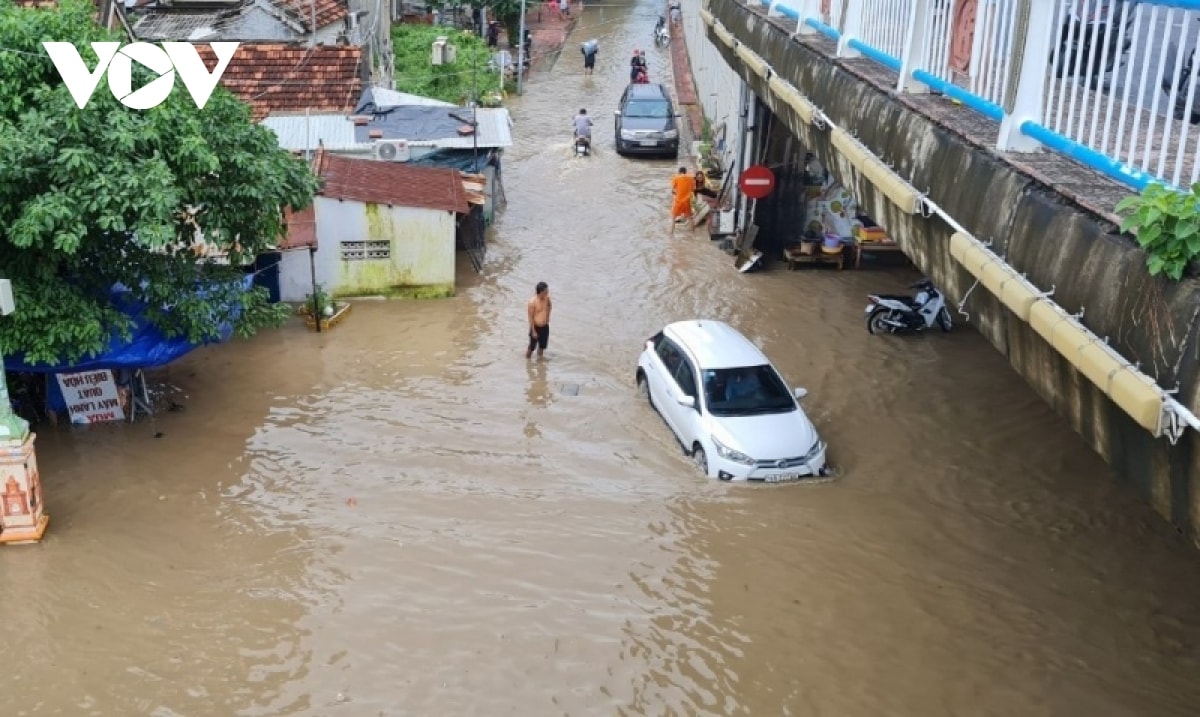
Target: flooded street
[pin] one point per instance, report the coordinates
(402, 516)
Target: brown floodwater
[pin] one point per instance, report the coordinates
(402, 516)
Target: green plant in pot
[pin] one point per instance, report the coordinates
(319, 304)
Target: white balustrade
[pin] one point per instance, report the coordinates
(1131, 95)
(884, 25)
(1104, 81)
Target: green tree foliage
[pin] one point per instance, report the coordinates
(508, 13)
(1167, 224)
(457, 82)
(94, 197)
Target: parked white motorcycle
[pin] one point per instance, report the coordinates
(892, 313)
(662, 36)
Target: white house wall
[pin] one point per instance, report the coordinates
(718, 86)
(422, 259)
(328, 35)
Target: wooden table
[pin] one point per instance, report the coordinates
(873, 247)
(818, 256)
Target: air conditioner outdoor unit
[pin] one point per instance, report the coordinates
(391, 150)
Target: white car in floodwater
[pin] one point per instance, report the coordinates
(728, 406)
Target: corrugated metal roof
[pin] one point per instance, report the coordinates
(337, 133)
(299, 133)
(383, 97)
(495, 130)
(438, 127)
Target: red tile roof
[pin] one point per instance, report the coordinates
(328, 11)
(289, 78)
(376, 182)
(301, 229)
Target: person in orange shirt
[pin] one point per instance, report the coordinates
(684, 186)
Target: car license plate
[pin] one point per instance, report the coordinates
(649, 143)
(783, 477)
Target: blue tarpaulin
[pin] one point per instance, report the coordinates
(147, 346)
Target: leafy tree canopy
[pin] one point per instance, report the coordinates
(467, 77)
(95, 197)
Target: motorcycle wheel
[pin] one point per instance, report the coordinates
(876, 323)
(944, 320)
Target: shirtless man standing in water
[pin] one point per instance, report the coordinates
(539, 320)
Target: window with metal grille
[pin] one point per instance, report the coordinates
(366, 250)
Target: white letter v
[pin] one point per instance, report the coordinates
(191, 68)
(80, 82)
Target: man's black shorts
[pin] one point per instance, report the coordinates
(542, 338)
(589, 62)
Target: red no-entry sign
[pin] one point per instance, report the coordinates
(757, 181)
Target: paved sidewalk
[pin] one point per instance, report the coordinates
(549, 29)
(685, 85)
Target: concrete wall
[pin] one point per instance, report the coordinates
(422, 252)
(718, 87)
(1040, 232)
(374, 34)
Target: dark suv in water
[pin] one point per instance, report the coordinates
(645, 122)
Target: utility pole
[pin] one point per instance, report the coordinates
(521, 51)
(475, 111)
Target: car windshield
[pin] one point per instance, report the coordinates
(748, 391)
(647, 108)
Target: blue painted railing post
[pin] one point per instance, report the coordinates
(1026, 100)
(916, 47)
(852, 29)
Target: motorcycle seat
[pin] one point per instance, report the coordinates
(898, 297)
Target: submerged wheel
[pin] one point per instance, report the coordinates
(643, 387)
(700, 458)
(876, 323)
(944, 320)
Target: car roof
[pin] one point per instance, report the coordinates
(715, 344)
(647, 91)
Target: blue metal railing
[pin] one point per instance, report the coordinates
(954, 92)
(1087, 156)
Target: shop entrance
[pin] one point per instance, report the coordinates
(811, 220)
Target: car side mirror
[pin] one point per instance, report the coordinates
(687, 401)
(617, 112)
(800, 393)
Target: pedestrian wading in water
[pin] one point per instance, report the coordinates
(539, 320)
(683, 186)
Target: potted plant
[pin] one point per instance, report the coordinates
(319, 305)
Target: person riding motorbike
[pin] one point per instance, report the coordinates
(637, 66)
(583, 128)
